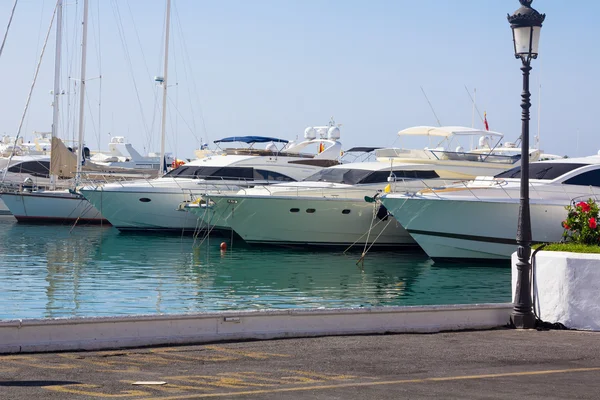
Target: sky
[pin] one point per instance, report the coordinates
(275, 67)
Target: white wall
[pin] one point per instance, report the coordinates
(567, 287)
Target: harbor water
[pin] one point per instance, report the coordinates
(65, 271)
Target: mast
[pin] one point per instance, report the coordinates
(162, 168)
(56, 93)
(82, 90)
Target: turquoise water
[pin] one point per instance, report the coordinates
(60, 271)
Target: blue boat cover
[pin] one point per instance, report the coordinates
(250, 139)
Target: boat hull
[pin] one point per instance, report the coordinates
(269, 220)
(51, 207)
(472, 229)
(143, 211)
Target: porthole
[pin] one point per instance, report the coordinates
(145, 200)
(294, 209)
(346, 211)
(310, 210)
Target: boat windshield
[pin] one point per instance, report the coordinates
(35, 168)
(227, 173)
(352, 176)
(542, 170)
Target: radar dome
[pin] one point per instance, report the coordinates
(460, 149)
(333, 133)
(310, 133)
(484, 141)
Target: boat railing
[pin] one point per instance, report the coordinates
(475, 157)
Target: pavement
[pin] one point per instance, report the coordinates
(494, 364)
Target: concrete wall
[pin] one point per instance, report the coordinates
(567, 288)
(133, 331)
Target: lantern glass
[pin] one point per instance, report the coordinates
(527, 39)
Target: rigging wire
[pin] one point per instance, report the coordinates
(430, 106)
(149, 136)
(474, 104)
(99, 60)
(37, 70)
(12, 13)
(125, 48)
(193, 86)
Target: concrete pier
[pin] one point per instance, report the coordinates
(42, 335)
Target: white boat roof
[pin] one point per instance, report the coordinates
(446, 131)
(595, 159)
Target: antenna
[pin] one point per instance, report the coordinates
(473, 112)
(475, 108)
(430, 106)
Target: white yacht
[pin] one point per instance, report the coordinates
(153, 204)
(478, 219)
(327, 208)
(447, 149)
(122, 154)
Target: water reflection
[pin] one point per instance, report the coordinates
(50, 271)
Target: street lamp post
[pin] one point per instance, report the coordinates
(526, 24)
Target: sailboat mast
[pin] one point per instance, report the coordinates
(56, 93)
(82, 89)
(162, 168)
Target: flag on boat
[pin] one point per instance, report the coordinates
(321, 147)
(487, 128)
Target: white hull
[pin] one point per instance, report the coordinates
(268, 219)
(143, 210)
(473, 229)
(51, 206)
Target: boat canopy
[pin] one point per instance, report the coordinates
(250, 139)
(446, 131)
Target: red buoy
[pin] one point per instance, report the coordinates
(223, 246)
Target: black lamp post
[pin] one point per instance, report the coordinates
(526, 24)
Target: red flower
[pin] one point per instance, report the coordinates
(585, 207)
(592, 223)
(565, 225)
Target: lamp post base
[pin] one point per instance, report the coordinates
(523, 321)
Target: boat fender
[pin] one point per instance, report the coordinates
(382, 213)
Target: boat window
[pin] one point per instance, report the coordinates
(145, 200)
(294, 209)
(310, 210)
(212, 173)
(339, 175)
(382, 176)
(35, 168)
(360, 176)
(589, 178)
(261, 174)
(542, 170)
(346, 211)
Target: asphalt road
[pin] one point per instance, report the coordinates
(495, 364)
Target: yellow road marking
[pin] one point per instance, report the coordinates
(172, 388)
(220, 380)
(249, 354)
(74, 389)
(31, 362)
(325, 377)
(196, 358)
(365, 384)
